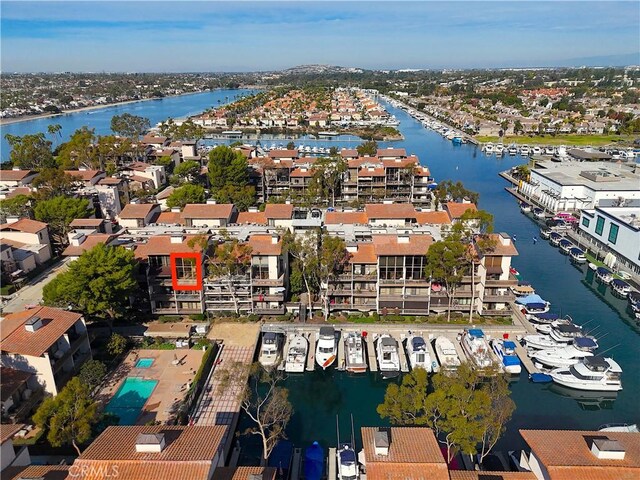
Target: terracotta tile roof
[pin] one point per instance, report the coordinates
(137, 166)
(278, 211)
(153, 139)
(263, 245)
(283, 154)
(390, 211)
(137, 210)
(566, 454)
(84, 175)
(456, 210)
(170, 217)
(161, 245)
(389, 245)
(299, 172)
(140, 178)
(423, 172)
(349, 152)
(206, 211)
(365, 254)
(110, 181)
(400, 163)
(18, 191)
(371, 172)
(265, 162)
(485, 475)
(86, 222)
(243, 473)
(433, 218)
(44, 472)
(16, 339)
(358, 162)
(499, 249)
(8, 430)
(165, 193)
(25, 225)
(391, 152)
(336, 218)
(89, 242)
(15, 175)
(252, 217)
(414, 454)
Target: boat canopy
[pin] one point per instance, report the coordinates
(547, 316)
(596, 363)
(327, 332)
(530, 299)
(347, 457)
(634, 297)
(510, 360)
(269, 338)
(603, 271)
(619, 283)
(555, 235)
(535, 306)
(564, 241)
(576, 251)
(314, 462)
(523, 290)
(417, 343)
(509, 345)
(568, 328)
(585, 342)
(388, 342)
(476, 332)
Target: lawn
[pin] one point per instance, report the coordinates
(577, 140)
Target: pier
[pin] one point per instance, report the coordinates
(402, 352)
(341, 362)
(332, 473)
(371, 353)
(428, 339)
(311, 355)
(527, 363)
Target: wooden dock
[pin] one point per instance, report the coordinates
(332, 468)
(340, 360)
(527, 363)
(371, 353)
(432, 352)
(296, 464)
(311, 356)
(402, 352)
(285, 349)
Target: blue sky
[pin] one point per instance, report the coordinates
(244, 36)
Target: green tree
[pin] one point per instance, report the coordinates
(333, 259)
(369, 148)
(59, 212)
(99, 283)
(79, 150)
(242, 197)
(186, 194)
(231, 259)
(446, 263)
(304, 249)
(54, 130)
(130, 126)
(404, 404)
(92, 373)
(517, 127)
(69, 416)
(117, 344)
(227, 167)
(188, 170)
(448, 191)
(54, 182)
(328, 175)
(291, 146)
(167, 163)
(19, 206)
(30, 152)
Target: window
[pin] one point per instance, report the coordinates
(186, 271)
(600, 225)
(585, 221)
(613, 233)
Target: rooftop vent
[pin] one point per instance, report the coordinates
(253, 210)
(606, 449)
(211, 201)
(505, 239)
(150, 442)
(381, 441)
(77, 239)
(403, 238)
(175, 210)
(177, 239)
(274, 239)
(33, 324)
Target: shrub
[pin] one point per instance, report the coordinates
(197, 317)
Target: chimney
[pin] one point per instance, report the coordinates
(606, 449)
(16, 169)
(403, 238)
(77, 239)
(82, 169)
(177, 239)
(253, 210)
(381, 441)
(150, 442)
(175, 210)
(33, 324)
(211, 201)
(504, 239)
(352, 248)
(274, 239)
(287, 202)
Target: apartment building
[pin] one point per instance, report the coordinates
(48, 342)
(27, 237)
(16, 178)
(137, 215)
(493, 279)
(210, 214)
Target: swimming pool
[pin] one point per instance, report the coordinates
(144, 363)
(128, 401)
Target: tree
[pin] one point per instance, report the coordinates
(404, 404)
(188, 170)
(517, 127)
(99, 283)
(92, 373)
(523, 171)
(186, 194)
(130, 126)
(30, 152)
(227, 167)
(59, 212)
(448, 191)
(242, 197)
(328, 174)
(333, 258)
(117, 344)
(69, 416)
(18, 206)
(262, 399)
(79, 150)
(231, 259)
(166, 162)
(54, 182)
(446, 263)
(291, 146)
(54, 130)
(304, 249)
(369, 148)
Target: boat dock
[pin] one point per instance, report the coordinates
(402, 353)
(332, 468)
(432, 353)
(527, 363)
(311, 356)
(296, 464)
(341, 361)
(371, 353)
(285, 349)
(456, 343)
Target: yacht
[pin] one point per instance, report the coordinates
(525, 207)
(419, 356)
(554, 238)
(296, 354)
(499, 149)
(513, 150)
(270, 350)
(566, 333)
(475, 346)
(634, 303)
(506, 353)
(524, 150)
(620, 287)
(446, 353)
(577, 255)
(561, 357)
(565, 245)
(355, 357)
(488, 148)
(522, 289)
(388, 356)
(533, 305)
(539, 213)
(347, 463)
(604, 275)
(327, 347)
(536, 150)
(549, 151)
(593, 373)
(540, 342)
(545, 232)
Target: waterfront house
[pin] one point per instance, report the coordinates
(138, 214)
(86, 178)
(81, 240)
(49, 342)
(493, 279)
(29, 236)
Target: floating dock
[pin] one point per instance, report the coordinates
(332, 473)
(296, 464)
(402, 353)
(527, 363)
(285, 349)
(311, 355)
(340, 360)
(371, 353)
(428, 339)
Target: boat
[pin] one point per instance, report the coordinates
(554, 238)
(545, 232)
(634, 303)
(561, 357)
(524, 150)
(620, 287)
(476, 348)
(604, 275)
(566, 333)
(536, 150)
(419, 356)
(270, 349)
(539, 377)
(296, 354)
(388, 356)
(539, 213)
(314, 462)
(514, 272)
(355, 357)
(525, 207)
(347, 463)
(565, 245)
(499, 149)
(546, 318)
(540, 342)
(327, 347)
(595, 373)
(577, 255)
(506, 352)
(488, 148)
(533, 305)
(522, 289)
(328, 134)
(593, 266)
(446, 353)
(549, 151)
(457, 140)
(513, 150)
(619, 427)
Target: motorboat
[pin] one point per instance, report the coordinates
(525, 207)
(604, 275)
(524, 150)
(577, 255)
(270, 349)
(476, 348)
(314, 462)
(499, 149)
(446, 353)
(554, 238)
(540, 342)
(514, 272)
(419, 356)
(549, 151)
(513, 150)
(488, 148)
(566, 333)
(536, 150)
(593, 266)
(522, 289)
(296, 354)
(561, 357)
(355, 356)
(565, 245)
(505, 350)
(327, 347)
(347, 463)
(619, 427)
(539, 213)
(620, 287)
(634, 303)
(546, 318)
(533, 305)
(388, 356)
(545, 232)
(595, 373)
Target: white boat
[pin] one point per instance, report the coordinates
(566, 333)
(270, 349)
(388, 356)
(545, 232)
(541, 342)
(296, 354)
(506, 353)
(539, 213)
(476, 348)
(554, 238)
(593, 373)
(619, 427)
(525, 207)
(549, 151)
(446, 353)
(593, 266)
(524, 150)
(347, 463)
(355, 357)
(419, 356)
(604, 275)
(522, 289)
(513, 150)
(327, 347)
(577, 255)
(536, 150)
(561, 357)
(499, 149)
(565, 246)
(620, 287)
(488, 148)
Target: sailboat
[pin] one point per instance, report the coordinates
(346, 456)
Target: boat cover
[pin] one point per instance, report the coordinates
(564, 241)
(417, 343)
(585, 342)
(603, 271)
(347, 457)
(476, 332)
(547, 316)
(314, 462)
(540, 378)
(568, 328)
(634, 298)
(510, 360)
(534, 298)
(388, 342)
(536, 306)
(327, 332)
(509, 345)
(619, 283)
(576, 251)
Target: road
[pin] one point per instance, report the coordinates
(31, 293)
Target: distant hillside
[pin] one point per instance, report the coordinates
(320, 69)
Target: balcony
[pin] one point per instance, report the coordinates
(504, 298)
(502, 312)
(268, 297)
(365, 293)
(163, 271)
(57, 363)
(268, 282)
(269, 311)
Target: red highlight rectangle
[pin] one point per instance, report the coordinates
(175, 281)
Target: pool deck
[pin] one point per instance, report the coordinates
(173, 380)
